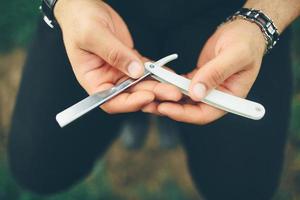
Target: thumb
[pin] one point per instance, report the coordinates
(107, 46)
(214, 73)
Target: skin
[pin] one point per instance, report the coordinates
(100, 62)
(100, 49)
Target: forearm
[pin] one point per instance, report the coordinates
(282, 12)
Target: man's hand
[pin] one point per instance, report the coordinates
(230, 61)
(100, 49)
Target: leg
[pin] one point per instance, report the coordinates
(236, 158)
(43, 157)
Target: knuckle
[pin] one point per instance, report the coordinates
(114, 57)
(103, 22)
(205, 121)
(200, 121)
(107, 110)
(216, 76)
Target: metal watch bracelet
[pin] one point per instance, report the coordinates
(46, 8)
(264, 22)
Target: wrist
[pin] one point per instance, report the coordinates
(248, 33)
(283, 13)
(59, 9)
(265, 23)
(254, 35)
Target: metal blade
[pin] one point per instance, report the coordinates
(84, 106)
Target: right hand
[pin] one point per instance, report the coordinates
(100, 49)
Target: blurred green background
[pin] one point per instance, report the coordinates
(151, 173)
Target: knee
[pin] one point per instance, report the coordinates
(34, 180)
(234, 185)
(37, 175)
(44, 171)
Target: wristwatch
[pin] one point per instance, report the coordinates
(46, 8)
(265, 23)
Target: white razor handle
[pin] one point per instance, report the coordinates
(215, 98)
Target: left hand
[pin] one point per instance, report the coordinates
(230, 62)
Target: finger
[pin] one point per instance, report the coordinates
(102, 87)
(128, 102)
(239, 84)
(195, 114)
(142, 58)
(162, 91)
(91, 71)
(152, 108)
(106, 45)
(216, 71)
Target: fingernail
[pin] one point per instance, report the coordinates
(199, 90)
(135, 70)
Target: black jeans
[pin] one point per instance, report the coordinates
(232, 158)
